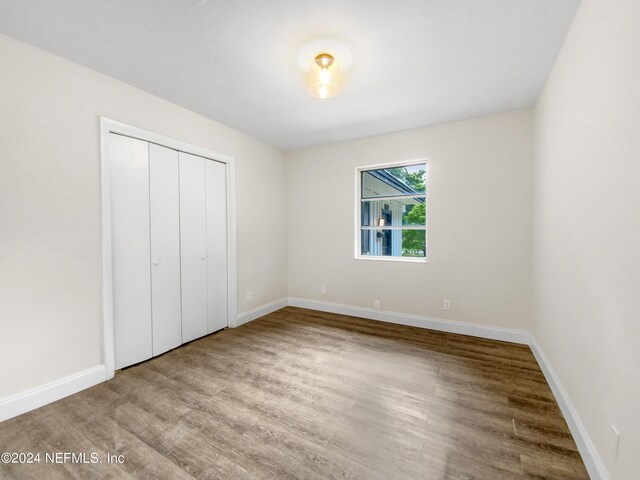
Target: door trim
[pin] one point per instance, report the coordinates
(108, 126)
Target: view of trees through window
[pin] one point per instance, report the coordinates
(414, 242)
(395, 225)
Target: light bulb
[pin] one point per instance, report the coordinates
(323, 83)
(325, 75)
(324, 90)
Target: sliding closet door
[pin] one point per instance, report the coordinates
(129, 179)
(165, 248)
(193, 246)
(216, 245)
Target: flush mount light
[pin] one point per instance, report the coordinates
(321, 85)
(324, 60)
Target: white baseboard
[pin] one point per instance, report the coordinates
(587, 449)
(463, 328)
(40, 396)
(261, 311)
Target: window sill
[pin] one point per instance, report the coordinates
(392, 259)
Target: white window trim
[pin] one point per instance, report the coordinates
(358, 206)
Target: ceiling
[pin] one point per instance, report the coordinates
(415, 62)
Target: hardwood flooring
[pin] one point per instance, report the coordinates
(300, 394)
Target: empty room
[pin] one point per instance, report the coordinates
(348, 239)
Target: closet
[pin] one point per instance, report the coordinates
(169, 247)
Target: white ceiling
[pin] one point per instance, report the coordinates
(415, 62)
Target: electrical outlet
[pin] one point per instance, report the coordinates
(376, 304)
(614, 444)
(446, 304)
(249, 296)
(323, 289)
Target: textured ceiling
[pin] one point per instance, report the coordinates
(415, 62)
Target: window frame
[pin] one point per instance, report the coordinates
(358, 212)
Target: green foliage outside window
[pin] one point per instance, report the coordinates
(413, 241)
(414, 179)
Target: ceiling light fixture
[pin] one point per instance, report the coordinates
(324, 60)
(322, 86)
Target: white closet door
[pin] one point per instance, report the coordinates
(129, 178)
(216, 245)
(165, 248)
(193, 246)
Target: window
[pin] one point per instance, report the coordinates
(392, 212)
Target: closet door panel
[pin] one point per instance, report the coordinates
(165, 248)
(193, 246)
(129, 179)
(216, 245)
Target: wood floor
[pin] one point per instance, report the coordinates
(300, 394)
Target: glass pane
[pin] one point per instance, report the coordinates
(394, 243)
(389, 182)
(414, 243)
(394, 212)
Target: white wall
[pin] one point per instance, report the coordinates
(478, 218)
(586, 227)
(584, 266)
(50, 247)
